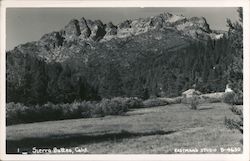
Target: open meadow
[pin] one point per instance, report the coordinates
(163, 129)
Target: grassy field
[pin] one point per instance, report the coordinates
(147, 130)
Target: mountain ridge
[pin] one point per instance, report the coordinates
(84, 34)
(97, 30)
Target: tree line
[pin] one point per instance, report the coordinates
(165, 73)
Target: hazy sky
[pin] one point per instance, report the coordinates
(29, 24)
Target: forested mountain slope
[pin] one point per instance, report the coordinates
(161, 55)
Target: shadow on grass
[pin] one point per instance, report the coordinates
(208, 108)
(134, 114)
(12, 146)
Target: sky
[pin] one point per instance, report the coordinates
(29, 24)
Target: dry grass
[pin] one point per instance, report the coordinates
(202, 128)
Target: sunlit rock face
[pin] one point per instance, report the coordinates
(83, 36)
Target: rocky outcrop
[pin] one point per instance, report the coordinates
(111, 29)
(72, 29)
(84, 29)
(97, 29)
(125, 24)
(83, 35)
(88, 30)
(52, 40)
(201, 23)
(156, 22)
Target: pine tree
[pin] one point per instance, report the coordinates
(39, 83)
(235, 71)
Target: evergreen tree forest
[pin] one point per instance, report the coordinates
(163, 73)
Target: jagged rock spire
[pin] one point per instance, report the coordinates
(85, 30)
(72, 28)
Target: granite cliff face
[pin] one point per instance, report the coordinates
(196, 28)
(82, 35)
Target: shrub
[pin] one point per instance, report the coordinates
(104, 107)
(18, 113)
(210, 99)
(134, 102)
(229, 97)
(232, 123)
(239, 98)
(65, 110)
(86, 109)
(114, 106)
(14, 113)
(118, 106)
(235, 123)
(175, 100)
(154, 102)
(192, 102)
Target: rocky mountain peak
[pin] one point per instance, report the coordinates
(72, 28)
(84, 34)
(111, 29)
(167, 14)
(89, 30)
(201, 22)
(84, 28)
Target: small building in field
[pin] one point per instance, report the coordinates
(190, 93)
(228, 89)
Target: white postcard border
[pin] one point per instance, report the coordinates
(146, 3)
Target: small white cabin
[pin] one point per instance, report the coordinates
(228, 89)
